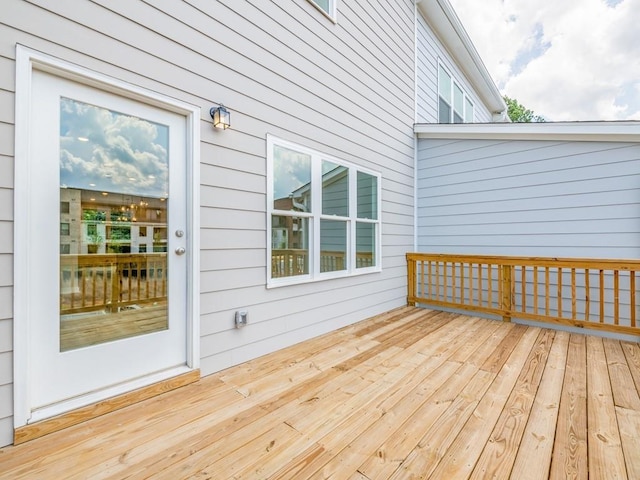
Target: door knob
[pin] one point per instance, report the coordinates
(180, 251)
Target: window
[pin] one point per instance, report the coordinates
(64, 207)
(328, 7)
(454, 106)
(323, 215)
(64, 229)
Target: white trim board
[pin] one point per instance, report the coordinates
(628, 131)
(28, 60)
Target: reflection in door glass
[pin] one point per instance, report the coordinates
(114, 193)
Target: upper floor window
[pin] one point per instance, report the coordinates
(323, 215)
(454, 105)
(326, 6)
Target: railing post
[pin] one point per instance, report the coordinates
(411, 281)
(507, 294)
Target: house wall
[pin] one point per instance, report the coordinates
(537, 198)
(281, 68)
(429, 50)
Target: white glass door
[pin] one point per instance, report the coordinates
(107, 263)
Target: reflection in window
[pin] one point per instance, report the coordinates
(335, 189)
(337, 231)
(333, 245)
(454, 105)
(367, 196)
(114, 188)
(289, 246)
(327, 6)
(365, 244)
(291, 180)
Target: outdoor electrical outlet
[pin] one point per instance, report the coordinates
(241, 319)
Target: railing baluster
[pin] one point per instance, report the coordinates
(546, 291)
(573, 293)
(507, 290)
(490, 284)
(616, 297)
(479, 284)
(470, 283)
(601, 296)
(632, 299)
(453, 281)
(587, 299)
(535, 290)
(462, 282)
(523, 287)
(444, 281)
(430, 278)
(559, 292)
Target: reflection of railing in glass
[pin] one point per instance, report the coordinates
(292, 262)
(110, 282)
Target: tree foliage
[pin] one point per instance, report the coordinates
(518, 113)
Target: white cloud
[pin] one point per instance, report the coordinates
(566, 60)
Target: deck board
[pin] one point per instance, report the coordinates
(411, 393)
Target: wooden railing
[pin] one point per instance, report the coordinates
(111, 282)
(291, 262)
(587, 293)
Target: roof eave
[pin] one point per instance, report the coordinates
(626, 131)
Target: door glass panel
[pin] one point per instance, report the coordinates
(114, 194)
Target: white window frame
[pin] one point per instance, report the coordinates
(466, 99)
(331, 13)
(315, 216)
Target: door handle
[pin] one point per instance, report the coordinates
(180, 251)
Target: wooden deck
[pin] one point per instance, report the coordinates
(409, 394)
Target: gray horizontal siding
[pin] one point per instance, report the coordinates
(535, 198)
(430, 49)
(281, 68)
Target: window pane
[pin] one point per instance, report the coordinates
(289, 246)
(457, 118)
(367, 196)
(458, 99)
(365, 245)
(333, 245)
(468, 111)
(335, 189)
(291, 180)
(444, 84)
(444, 111)
(324, 5)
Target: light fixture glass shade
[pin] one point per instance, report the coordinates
(221, 117)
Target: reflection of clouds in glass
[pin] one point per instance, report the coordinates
(113, 151)
(291, 170)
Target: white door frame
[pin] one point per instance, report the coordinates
(28, 60)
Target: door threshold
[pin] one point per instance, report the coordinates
(43, 426)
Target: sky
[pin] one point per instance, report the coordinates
(113, 152)
(564, 59)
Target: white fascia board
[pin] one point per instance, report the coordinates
(443, 19)
(628, 131)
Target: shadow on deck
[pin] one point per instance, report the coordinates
(411, 393)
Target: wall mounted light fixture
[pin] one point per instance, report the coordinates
(221, 117)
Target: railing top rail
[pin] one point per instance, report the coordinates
(569, 262)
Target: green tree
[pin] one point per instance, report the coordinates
(518, 113)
